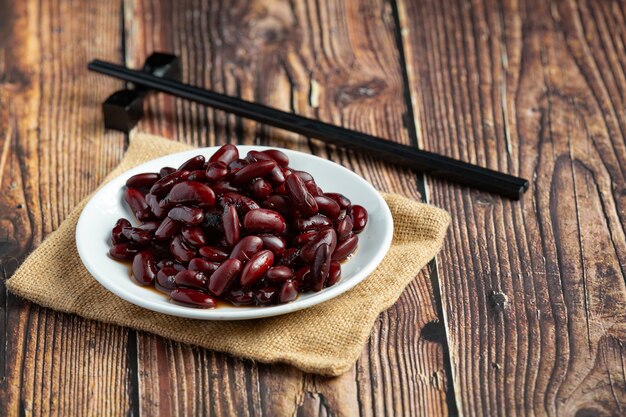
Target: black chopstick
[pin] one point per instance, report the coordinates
(396, 153)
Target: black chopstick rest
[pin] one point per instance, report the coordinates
(430, 163)
(123, 109)
(162, 65)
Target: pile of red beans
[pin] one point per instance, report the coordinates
(252, 230)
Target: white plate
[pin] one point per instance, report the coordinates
(103, 210)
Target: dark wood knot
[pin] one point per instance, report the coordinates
(497, 300)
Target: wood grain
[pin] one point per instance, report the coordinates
(52, 154)
(329, 60)
(533, 292)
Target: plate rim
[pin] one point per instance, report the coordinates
(214, 314)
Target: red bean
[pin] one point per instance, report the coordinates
(359, 217)
(313, 189)
(137, 235)
(345, 248)
(276, 175)
(274, 243)
(226, 154)
(312, 223)
(163, 263)
(246, 248)
(280, 157)
(117, 235)
(299, 196)
(261, 189)
(241, 297)
(204, 266)
(180, 250)
(192, 164)
(216, 171)
(225, 276)
(258, 265)
(167, 229)
(123, 251)
(242, 203)
(256, 156)
(253, 170)
(165, 171)
(334, 273)
(281, 189)
(193, 235)
(187, 215)
(340, 199)
(153, 202)
(320, 267)
(246, 204)
(213, 253)
(191, 279)
(190, 192)
(344, 228)
(230, 223)
(302, 276)
(198, 175)
(304, 238)
(303, 175)
(150, 226)
(279, 273)
(144, 269)
(265, 221)
(137, 203)
(165, 184)
(265, 296)
(195, 298)
(324, 237)
(236, 165)
(222, 187)
(165, 279)
(328, 207)
(288, 292)
(146, 179)
(279, 203)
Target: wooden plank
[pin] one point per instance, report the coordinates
(330, 60)
(533, 292)
(52, 154)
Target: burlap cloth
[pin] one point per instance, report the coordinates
(325, 339)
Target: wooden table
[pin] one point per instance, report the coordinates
(523, 313)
